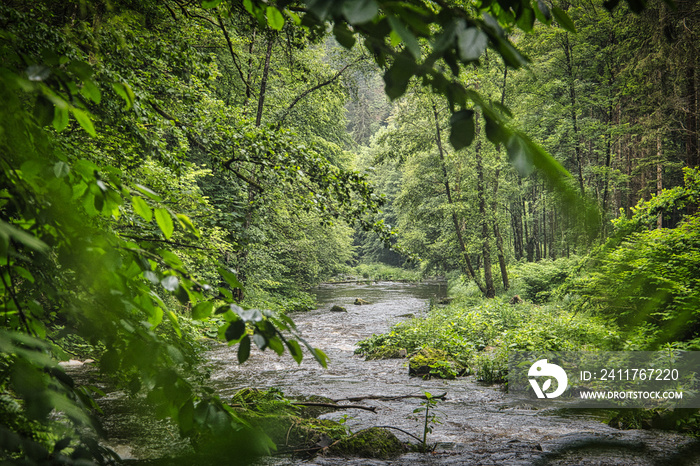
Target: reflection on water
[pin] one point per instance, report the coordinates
(478, 426)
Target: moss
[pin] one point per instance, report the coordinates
(432, 362)
(337, 308)
(370, 443)
(296, 431)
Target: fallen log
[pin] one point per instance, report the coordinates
(314, 403)
(391, 398)
(334, 405)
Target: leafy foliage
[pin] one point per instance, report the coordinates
(650, 276)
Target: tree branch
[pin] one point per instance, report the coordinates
(314, 88)
(196, 142)
(233, 55)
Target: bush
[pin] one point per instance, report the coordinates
(480, 334)
(650, 277)
(540, 280)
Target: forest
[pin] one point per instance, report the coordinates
(178, 173)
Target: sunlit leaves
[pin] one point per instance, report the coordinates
(142, 208)
(274, 18)
(83, 120)
(165, 222)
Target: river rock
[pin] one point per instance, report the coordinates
(360, 301)
(337, 308)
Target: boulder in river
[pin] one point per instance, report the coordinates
(360, 301)
(337, 308)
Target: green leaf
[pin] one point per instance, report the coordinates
(396, 78)
(187, 224)
(276, 345)
(202, 310)
(124, 91)
(230, 278)
(295, 350)
(165, 222)
(260, 341)
(274, 18)
(406, 36)
(84, 121)
(462, 128)
(170, 283)
(60, 118)
(472, 42)
(142, 208)
(156, 317)
(360, 11)
(496, 132)
(244, 349)
(563, 19)
(43, 111)
(343, 35)
(61, 169)
(91, 91)
(235, 330)
(208, 4)
(172, 317)
(8, 231)
(148, 192)
(321, 357)
(526, 20)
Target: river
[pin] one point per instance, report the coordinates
(478, 424)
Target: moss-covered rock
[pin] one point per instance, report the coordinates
(337, 308)
(432, 362)
(361, 302)
(369, 443)
(295, 431)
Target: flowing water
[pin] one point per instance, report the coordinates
(478, 424)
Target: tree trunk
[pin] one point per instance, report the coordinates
(497, 234)
(458, 230)
(263, 81)
(574, 118)
(490, 291)
(659, 177)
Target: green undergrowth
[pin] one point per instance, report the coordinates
(284, 300)
(478, 334)
(378, 271)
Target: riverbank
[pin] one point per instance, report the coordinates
(479, 424)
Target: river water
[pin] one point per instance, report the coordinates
(479, 424)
